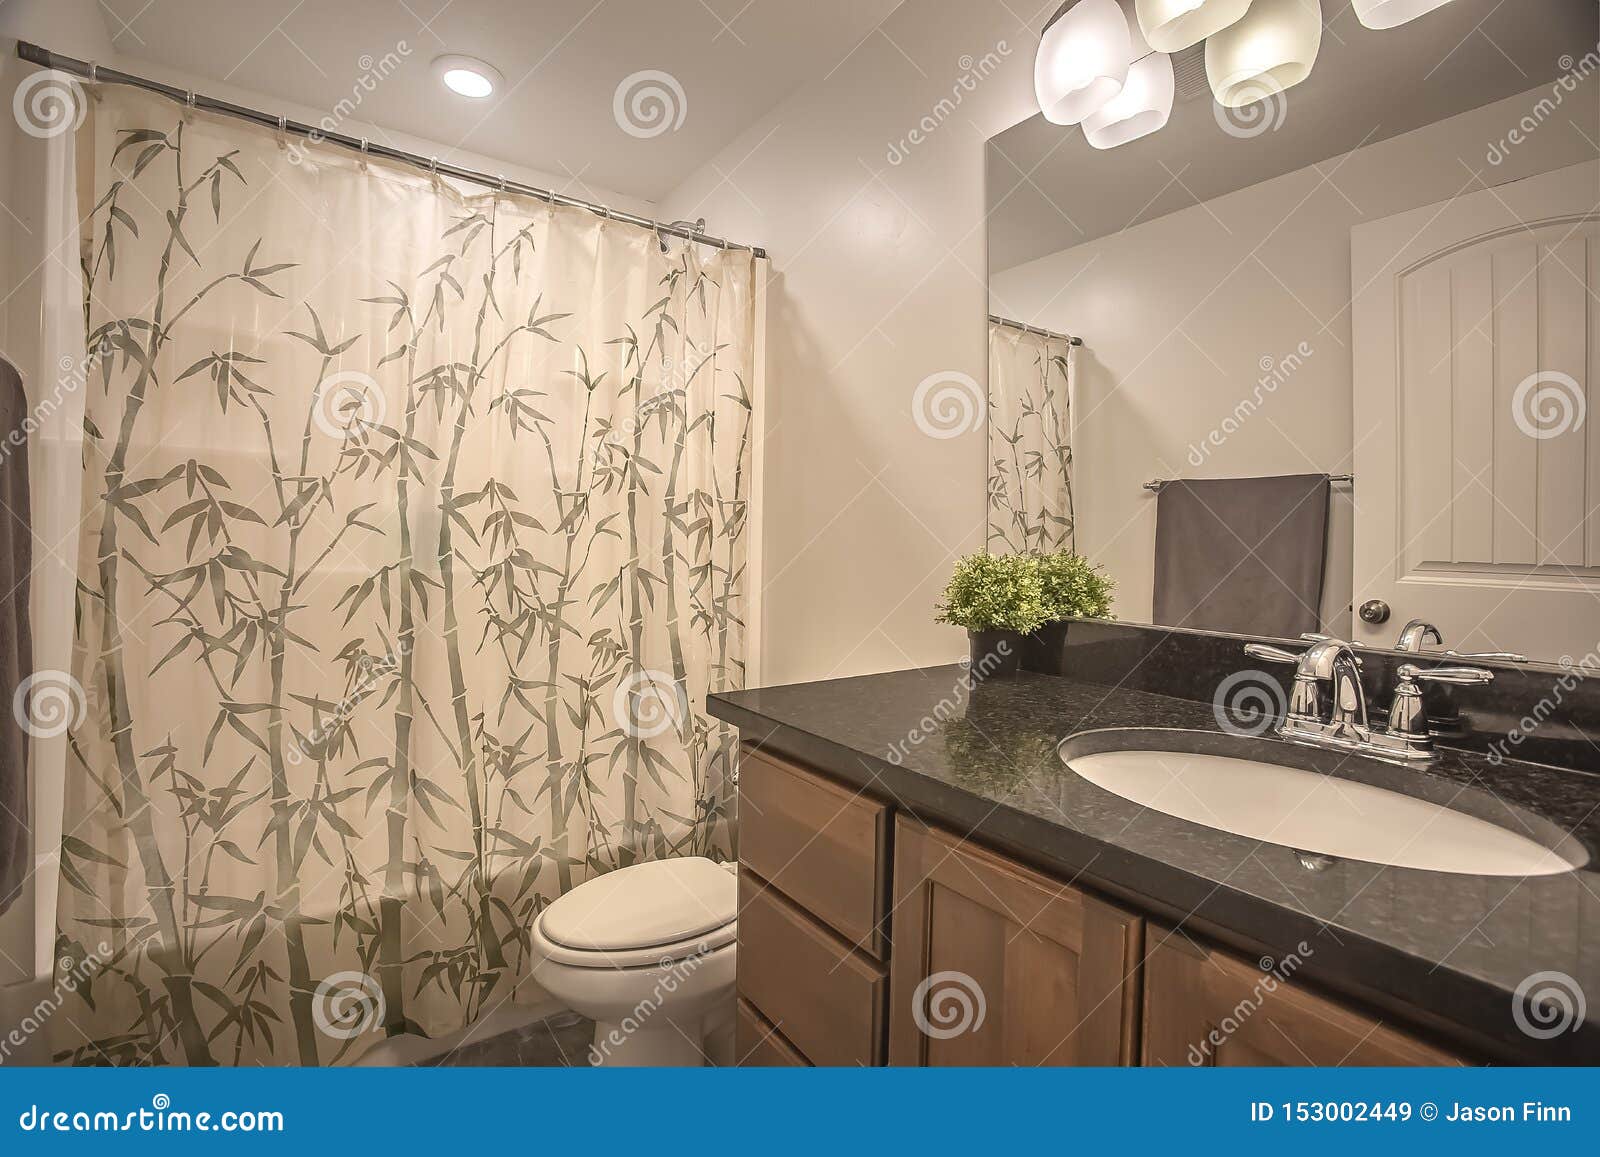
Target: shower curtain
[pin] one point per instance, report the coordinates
(415, 528)
(1030, 442)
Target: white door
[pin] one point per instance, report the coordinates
(1476, 356)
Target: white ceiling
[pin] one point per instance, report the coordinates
(563, 60)
(1049, 190)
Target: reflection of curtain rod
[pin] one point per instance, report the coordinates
(91, 72)
(1006, 321)
(1158, 483)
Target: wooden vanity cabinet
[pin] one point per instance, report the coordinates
(995, 964)
(867, 937)
(813, 905)
(1205, 1007)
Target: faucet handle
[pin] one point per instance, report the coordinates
(1459, 675)
(1270, 653)
(1495, 656)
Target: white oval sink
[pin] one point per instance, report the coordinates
(1312, 812)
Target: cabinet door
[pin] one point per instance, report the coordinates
(1205, 1007)
(994, 964)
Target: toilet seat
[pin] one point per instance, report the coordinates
(641, 916)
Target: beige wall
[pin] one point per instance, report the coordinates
(877, 282)
(1181, 315)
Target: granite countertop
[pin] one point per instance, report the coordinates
(1446, 950)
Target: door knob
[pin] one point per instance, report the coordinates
(1374, 611)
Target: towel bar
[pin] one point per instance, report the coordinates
(1155, 484)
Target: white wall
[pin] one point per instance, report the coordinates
(878, 280)
(1178, 316)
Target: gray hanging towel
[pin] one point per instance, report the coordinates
(1242, 554)
(16, 642)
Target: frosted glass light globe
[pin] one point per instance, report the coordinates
(1173, 25)
(1389, 13)
(1083, 60)
(1271, 49)
(1141, 108)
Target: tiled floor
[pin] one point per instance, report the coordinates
(563, 1039)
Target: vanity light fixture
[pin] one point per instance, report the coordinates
(467, 76)
(1271, 49)
(1141, 108)
(1391, 13)
(1173, 25)
(1083, 59)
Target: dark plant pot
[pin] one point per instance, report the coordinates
(995, 654)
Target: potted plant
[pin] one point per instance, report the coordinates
(998, 598)
(1073, 588)
(1004, 599)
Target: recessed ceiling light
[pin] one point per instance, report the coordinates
(467, 76)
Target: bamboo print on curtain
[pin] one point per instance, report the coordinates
(414, 539)
(1030, 442)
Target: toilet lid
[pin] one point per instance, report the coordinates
(644, 906)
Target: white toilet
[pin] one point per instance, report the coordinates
(647, 953)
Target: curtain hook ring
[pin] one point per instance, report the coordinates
(189, 99)
(606, 210)
(433, 165)
(502, 182)
(94, 73)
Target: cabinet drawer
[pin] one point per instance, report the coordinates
(1206, 1007)
(827, 998)
(822, 845)
(759, 1043)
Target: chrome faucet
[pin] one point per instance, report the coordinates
(1328, 705)
(1416, 633)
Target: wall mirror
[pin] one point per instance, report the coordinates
(1314, 353)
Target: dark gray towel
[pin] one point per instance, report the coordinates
(16, 641)
(1242, 554)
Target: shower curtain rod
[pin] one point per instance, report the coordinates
(1006, 321)
(91, 72)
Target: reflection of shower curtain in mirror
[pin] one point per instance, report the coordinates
(414, 541)
(1030, 442)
